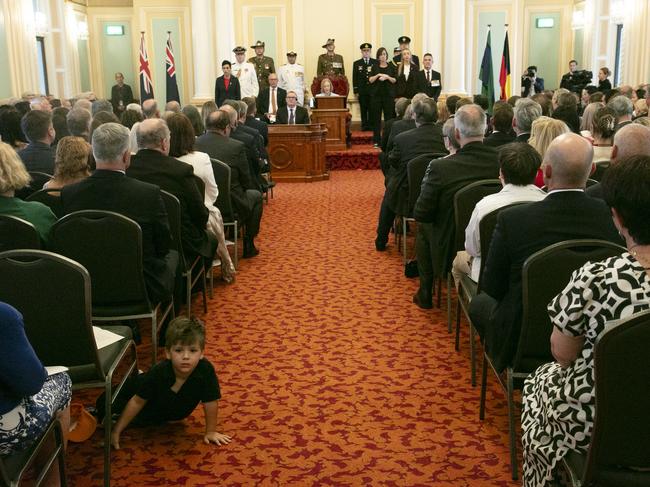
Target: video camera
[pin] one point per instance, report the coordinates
(576, 81)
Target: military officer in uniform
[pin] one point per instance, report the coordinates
(360, 73)
(330, 63)
(245, 73)
(404, 43)
(291, 77)
(264, 65)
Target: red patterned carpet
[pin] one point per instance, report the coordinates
(362, 155)
(329, 374)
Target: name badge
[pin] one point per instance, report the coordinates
(337, 65)
(369, 68)
(299, 74)
(435, 82)
(266, 66)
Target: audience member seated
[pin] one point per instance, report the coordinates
(544, 131)
(181, 146)
(567, 111)
(191, 112)
(559, 398)
(545, 102)
(153, 165)
(206, 109)
(173, 106)
(603, 127)
(645, 121)
(130, 117)
(29, 398)
(502, 123)
(60, 124)
(587, 119)
(566, 213)
(247, 200)
(623, 108)
(250, 141)
(434, 209)
(38, 155)
(253, 122)
(518, 165)
(291, 113)
(70, 162)
(426, 138)
(406, 123)
(101, 106)
(79, 120)
(14, 176)
(631, 140)
(109, 189)
(149, 110)
(10, 131)
(526, 111)
(449, 137)
(443, 113)
(401, 105)
(451, 104)
(270, 99)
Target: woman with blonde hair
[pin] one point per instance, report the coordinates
(406, 85)
(443, 112)
(70, 162)
(603, 129)
(542, 133)
(14, 176)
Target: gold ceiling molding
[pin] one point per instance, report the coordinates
(106, 3)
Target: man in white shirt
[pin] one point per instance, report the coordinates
(245, 73)
(291, 77)
(518, 165)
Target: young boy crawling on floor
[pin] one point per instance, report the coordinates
(172, 389)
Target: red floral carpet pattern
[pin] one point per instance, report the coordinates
(361, 138)
(330, 376)
(358, 157)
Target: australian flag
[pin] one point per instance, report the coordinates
(170, 72)
(146, 87)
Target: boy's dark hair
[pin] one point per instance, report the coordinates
(519, 163)
(186, 331)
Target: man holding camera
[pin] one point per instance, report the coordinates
(530, 83)
(575, 80)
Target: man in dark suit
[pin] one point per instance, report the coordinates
(426, 138)
(566, 213)
(361, 69)
(428, 80)
(152, 164)
(405, 43)
(109, 189)
(38, 155)
(226, 86)
(246, 200)
(400, 107)
(502, 123)
(526, 111)
(271, 99)
(406, 123)
(251, 121)
(434, 209)
(251, 139)
(292, 114)
(530, 83)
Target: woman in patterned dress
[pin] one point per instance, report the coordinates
(558, 399)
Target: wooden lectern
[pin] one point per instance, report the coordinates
(332, 111)
(297, 152)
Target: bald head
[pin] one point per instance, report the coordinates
(153, 133)
(232, 113)
(567, 162)
(150, 108)
(218, 121)
(631, 140)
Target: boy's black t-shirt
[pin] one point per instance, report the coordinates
(165, 405)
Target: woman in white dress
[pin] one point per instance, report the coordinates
(182, 148)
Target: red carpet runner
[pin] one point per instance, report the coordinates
(362, 155)
(329, 374)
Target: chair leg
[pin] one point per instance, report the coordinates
(108, 424)
(481, 414)
(203, 291)
(154, 339)
(511, 425)
(439, 292)
(404, 250)
(211, 292)
(472, 353)
(458, 311)
(449, 284)
(236, 246)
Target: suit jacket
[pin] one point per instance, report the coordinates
(260, 126)
(423, 87)
(526, 84)
(221, 93)
(520, 232)
(360, 74)
(407, 87)
(385, 134)
(496, 139)
(397, 128)
(264, 99)
(302, 115)
(140, 201)
(414, 59)
(121, 93)
(177, 178)
(233, 153)
(523, 137)
(425, 139)
(472, 162)
(38, 156)
(242, 134)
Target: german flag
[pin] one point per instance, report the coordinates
(504, 75)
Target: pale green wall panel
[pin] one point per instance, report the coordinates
(578, 47)
(544, 49)
(160, 28)
(392, 27)
(5, 81)
(117, 56)
(84, 68)
(265, 30)
(497, 21)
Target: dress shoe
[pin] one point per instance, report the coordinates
(380, 246)
(249, 249)
(421, 303)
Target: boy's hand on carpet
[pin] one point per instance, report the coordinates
(217, 438)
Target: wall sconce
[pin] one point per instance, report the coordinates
(617, 11)
(40, 24)
(82, 30)
(578, 20)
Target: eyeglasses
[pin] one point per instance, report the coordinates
(291, 97)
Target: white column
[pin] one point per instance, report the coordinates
(21, 44)
(203, 50)
(432, 34)
(225, 27)
(453, 72)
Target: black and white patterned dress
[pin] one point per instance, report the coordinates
(558, 403)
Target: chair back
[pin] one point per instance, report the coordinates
(224, 202)
(544, 275)
(620, 443)
(173, 207)
(16, 233)
(36, 184)
(50, 198)
(57, 323)
(415, 170)
(109, 245)
(465, 200)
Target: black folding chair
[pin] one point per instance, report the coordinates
(36, 184)
(16, 233)
(109, 246)
(50, 198)
(544, 275)
(59, 328)
(619, 453)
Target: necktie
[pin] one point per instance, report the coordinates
(366, 62)
(428, 78)
(291, 119)
(274, 106)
